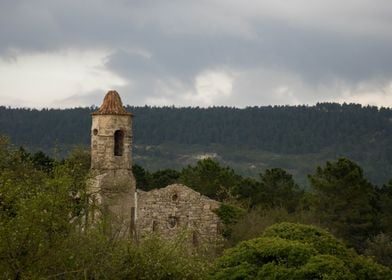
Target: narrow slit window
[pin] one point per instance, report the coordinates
(118, 143)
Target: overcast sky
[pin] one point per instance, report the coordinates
(195, 53)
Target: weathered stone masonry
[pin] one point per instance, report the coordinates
(177, 208)
(167, 211)
(113, 184)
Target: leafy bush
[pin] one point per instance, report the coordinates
(43, 236)
(229, 215)
(294, 251)
(318, 238)
(254, 223)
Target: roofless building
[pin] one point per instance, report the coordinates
(166, 211)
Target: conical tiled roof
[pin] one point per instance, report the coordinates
(112, 105)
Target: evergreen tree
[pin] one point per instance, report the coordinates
(279, 189)
(344, 201)
(211, 179)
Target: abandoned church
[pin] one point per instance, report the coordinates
(167, 211)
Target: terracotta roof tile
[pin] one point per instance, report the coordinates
(112, 105)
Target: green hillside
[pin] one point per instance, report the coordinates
(297, 138)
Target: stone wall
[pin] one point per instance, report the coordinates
(167, 211)
(102, 142)
(175, 209)
(112, 187)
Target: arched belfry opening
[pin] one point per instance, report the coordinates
(118, 143)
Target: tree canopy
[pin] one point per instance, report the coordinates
(43, 205)
(295, 251)
(344, 200)
(325, 130)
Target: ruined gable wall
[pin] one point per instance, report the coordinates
(175, 208)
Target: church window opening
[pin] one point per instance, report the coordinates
(118, 142)
(172, 222)
(95, 131)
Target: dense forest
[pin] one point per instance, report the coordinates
(340, 228)
(281, 129)
(297, 138)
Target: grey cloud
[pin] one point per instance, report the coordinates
(184, 38)
(92, 98)
(316, 56)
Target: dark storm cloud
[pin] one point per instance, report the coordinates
(152, 40)
(316, 56)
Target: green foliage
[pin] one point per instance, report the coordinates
(366, 268)
(319, 239)
(38, 210)
(92, 255)
(294, 251)
(344, 201)
(299, 134)
(380, 247)
(281, 189)
(43, 204)
(254, 222)
(79, 161)
(142, 177)
(159, 179)
(229, 214)
(211, 179)
(163, 178)
(284, 255)
(326, 267)
(77, 166)
(275, 189)
(42, 161)
(39, 160)
(159, 259)
(385, 207)
(41, 217)
(43, 234)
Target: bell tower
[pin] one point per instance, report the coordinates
(113, 186)
(111, 135)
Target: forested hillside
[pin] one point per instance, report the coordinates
(297, 138)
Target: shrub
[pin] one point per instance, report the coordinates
(295, 251)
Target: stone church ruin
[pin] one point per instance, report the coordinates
(167, 211)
